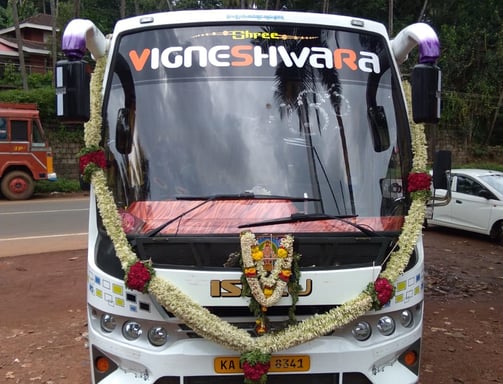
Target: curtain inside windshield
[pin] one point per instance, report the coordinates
(299, 112)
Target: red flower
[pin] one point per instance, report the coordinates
(138, 276)
(96, 157)
(254, 373)
(418, 182)
(285, 276)
(384, 290)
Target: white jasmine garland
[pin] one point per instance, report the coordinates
(200, 319)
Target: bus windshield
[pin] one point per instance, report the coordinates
(267, 110)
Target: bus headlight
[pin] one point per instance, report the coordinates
(362, 331)
(108, 322)
(131, 330)
(386, 325)
(406, 318)
(157, 336)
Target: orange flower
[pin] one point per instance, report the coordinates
(268, 292)
(285, 275)
(250, 272)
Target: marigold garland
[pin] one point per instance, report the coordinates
(215, 329)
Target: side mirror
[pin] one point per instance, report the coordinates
(72, 80)
(426, 86)
(441, 170)
(123, 132)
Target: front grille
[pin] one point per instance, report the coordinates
(321, 378)
(210, 252)
(249, 326)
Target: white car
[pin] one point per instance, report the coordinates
(476, 203)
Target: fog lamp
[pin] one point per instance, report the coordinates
(108, 322)
(386, 325)
(157, 336)
(131, 330)
(362, 331)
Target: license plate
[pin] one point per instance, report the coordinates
(286, 363)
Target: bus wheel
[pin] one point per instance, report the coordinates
(17, 185)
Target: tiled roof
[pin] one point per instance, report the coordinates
(40, 19)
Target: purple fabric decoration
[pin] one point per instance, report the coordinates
(74, 45)
(429, 51)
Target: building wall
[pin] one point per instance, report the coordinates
(66, 162)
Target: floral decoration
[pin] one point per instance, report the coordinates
(138, 275)
(381, 291)
(212, 327)
(265, 284)
(255, 366)
(90, 159)
(419, 183)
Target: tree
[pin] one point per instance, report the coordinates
(54, 47)
(19, 41)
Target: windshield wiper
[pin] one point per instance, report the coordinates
(207, 199)
(302, 217)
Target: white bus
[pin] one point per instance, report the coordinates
(256, 196)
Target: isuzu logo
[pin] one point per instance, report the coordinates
(232, 288)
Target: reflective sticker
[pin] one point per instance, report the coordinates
(401, 286)
(119, 302)
(117, 289)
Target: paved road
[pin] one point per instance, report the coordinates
(43, 225)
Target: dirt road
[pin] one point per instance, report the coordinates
(43, 321)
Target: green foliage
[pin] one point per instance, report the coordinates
(60, 185)
(471, 36)
(12, 78)
(45, 98)
(66, 134)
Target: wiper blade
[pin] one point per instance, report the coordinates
(245, 196)
(303, 217)
(207, 199)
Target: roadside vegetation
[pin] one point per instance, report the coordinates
(58, 186)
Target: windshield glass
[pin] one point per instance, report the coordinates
(274, 111)
(495, 181)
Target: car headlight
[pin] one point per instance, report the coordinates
(406, 318)
(157, 336)
(108, 322)
(362, 331)
(131, 330)
(386, 325)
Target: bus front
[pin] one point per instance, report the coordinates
(266, 126)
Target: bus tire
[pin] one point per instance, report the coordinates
(17, 185)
